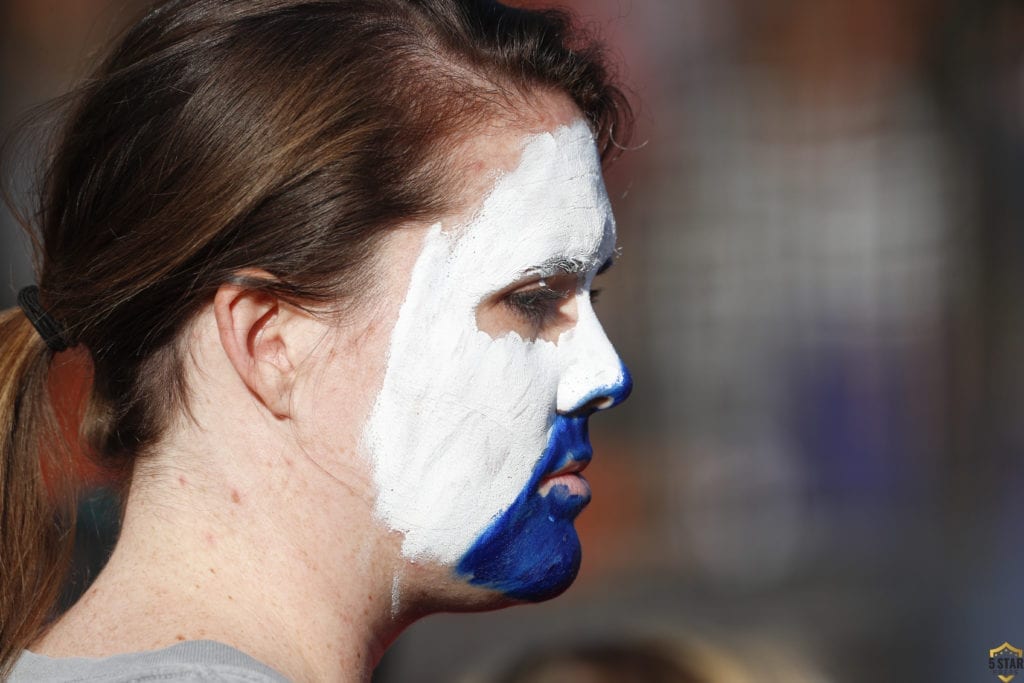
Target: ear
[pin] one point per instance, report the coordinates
(254, 329)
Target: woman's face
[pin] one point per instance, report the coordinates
(494, 365)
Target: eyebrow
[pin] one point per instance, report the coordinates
(568, 266)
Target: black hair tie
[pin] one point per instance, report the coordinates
(48, 328)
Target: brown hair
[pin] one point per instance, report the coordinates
(222, 135)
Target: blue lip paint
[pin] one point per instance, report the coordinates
(531, 551)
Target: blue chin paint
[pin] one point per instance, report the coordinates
(531, 551)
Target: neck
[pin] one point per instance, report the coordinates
(243, 548)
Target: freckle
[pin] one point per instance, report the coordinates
(212, 571)
(180, 637)
(235, 498)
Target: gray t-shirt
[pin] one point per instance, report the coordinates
(196, 660)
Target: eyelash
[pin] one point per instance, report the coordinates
(537, 305)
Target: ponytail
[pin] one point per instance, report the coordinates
(35, 531)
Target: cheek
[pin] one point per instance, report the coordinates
(346, 372)
(455, 435)
(335, 399)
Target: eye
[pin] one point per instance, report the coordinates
(595, 296)
(540, 304)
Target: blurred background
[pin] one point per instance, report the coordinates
(819, 475)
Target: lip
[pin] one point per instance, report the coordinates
(573, 490)
(558, 479)
(571, 467)
(570, 487)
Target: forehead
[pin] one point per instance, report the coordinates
(552, 206)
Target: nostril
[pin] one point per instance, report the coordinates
(593, 405)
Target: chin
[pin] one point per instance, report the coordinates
(532, 552)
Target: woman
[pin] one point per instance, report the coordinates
(332, 263)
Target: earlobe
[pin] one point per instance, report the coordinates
(250, 324)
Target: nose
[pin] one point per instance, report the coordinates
(592, 375)
(605, 397)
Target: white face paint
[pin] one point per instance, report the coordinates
(463, 419)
